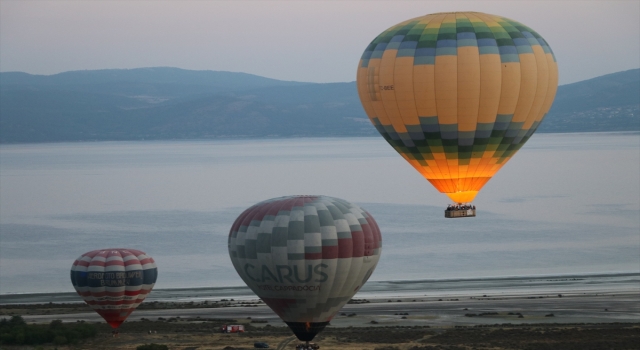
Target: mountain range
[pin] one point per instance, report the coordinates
(169, 103)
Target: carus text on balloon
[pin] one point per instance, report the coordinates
(286, 273)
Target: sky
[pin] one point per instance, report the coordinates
(310, 41)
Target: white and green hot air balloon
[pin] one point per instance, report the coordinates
(305, 256)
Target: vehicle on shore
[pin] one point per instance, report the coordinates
(232, 328)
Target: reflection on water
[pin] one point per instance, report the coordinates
(565, 204)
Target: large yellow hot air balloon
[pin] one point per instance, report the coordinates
(457, 94)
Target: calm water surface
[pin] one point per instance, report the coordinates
(565, 204)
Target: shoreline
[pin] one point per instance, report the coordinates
(373, 135)
(443, 310)
(541, 284)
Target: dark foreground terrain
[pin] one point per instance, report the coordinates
(201, 334)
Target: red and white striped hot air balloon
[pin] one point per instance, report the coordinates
(114, 281)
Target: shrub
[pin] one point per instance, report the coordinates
(86, 330)
(17, 321)
(15, 331)
(56, 324)
(19, 338)
(60, 340)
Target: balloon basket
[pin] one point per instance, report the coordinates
(307, 346)
(460, 211)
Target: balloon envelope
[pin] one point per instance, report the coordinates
(305, 256)
(457, 94)
(114, 281)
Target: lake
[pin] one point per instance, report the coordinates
(566, 204)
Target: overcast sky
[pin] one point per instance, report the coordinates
(316, 41)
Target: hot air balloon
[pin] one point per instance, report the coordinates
(305, 256)
(114, 281)
(457, 94)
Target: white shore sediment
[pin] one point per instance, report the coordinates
(569, 299)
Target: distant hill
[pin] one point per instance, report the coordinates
(171, 103)
(159, 81)
(607, 103)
